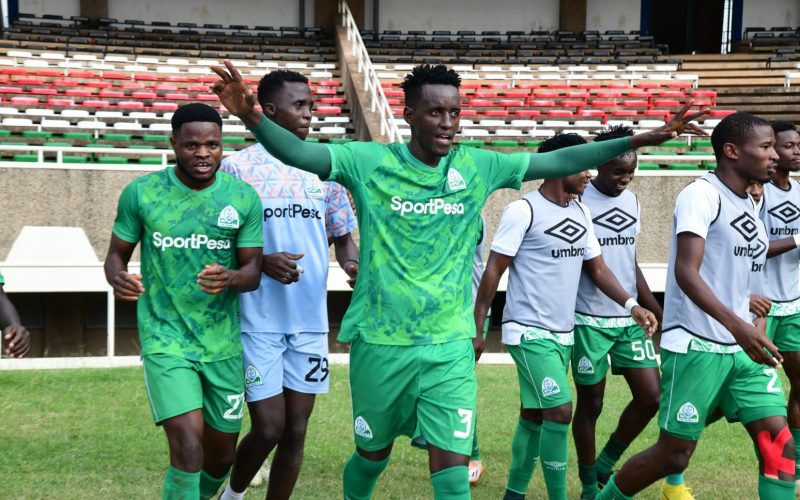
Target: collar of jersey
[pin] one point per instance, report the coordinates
(410, 158)
(184, 187)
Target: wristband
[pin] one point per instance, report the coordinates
(796, 238)
(630, 304)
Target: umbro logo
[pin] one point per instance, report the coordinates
(761, 247)
(786, 212)
(567, 230)
(745, 225)
(615, 219)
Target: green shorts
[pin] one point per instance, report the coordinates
(784, 331)
(399, 389)
(694, 384)
(176, 386)
(542, 366)
(627, 346)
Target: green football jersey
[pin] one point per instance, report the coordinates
(419, 227)
(182, 231)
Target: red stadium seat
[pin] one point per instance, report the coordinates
(577, 94)
(609, 94)
(544, 103)
(657, 113)
(48, 72)
(24, 101)
(54, 101)
(111, 94)
(164, 106)
(484, 94)
(496, 112)
(324, 91)
(328, 110)
(83, 74)
(469, 112)
(512, 103)
(329, 83)
(666, 103)
(44, 91)
(588, 85)
(592, 113)
(392, 102)
(528, 113)
(133, 85)
(130, 105)
(79, 92)
(721, 113)
(144, 94)
(150, 77)
(27, 80)
(99, 84)
(470, 85)
(636, 103)
(546, 94)
(177, 78)
(499, 85)
(671, 94)
(517, 94)
(679, 84)
(399, 112)
(167, 87)
(604, 103)
(207, 97)
(573, 103)
(13, 71)
(625, 113)
(617, 85)
(394, 93)
(177, 96)
(559, 112)
(647, 85)
(340, 100)
(638, 94)
(480, 103)
(11, 90)
(115, 75)
(95, 103)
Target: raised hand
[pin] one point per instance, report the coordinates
(679, 124)
(234, 94)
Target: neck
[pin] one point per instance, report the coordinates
(780, 178)
(601, 187)
(731, 178)
(191, 183)
(420, 154)
(554, 191)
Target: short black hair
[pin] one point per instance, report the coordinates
(194, 112)
(560, 141)
(272, 83)
(783, 126)
(734, 129)
(615, 132)
(427, 74)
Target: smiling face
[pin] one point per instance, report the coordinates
(434, 121)
(198, 151)
(614, 176)
(575, 184)
(787, 146)
(291, 108)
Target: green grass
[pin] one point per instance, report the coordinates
(89, 434)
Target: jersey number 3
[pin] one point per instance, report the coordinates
(466, 419)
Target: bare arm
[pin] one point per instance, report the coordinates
(346, 253)
(645, 296)
(17, 336)
(781, 246)
(214, 278)
(605, 280)
(687, 274)
(126, 286)
(495, 267)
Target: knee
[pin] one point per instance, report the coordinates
(676, 461)
(186, 451)
(560, 414)
(590, 408)
(269, 431)
(648, 403)
(295, 431)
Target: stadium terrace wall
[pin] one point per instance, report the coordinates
(771, 14)
(602, 15)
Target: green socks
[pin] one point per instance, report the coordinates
(588, 477)
(181, 485)
(675, 479)
(611, 492)
(775, 489)
(476, 449)
(360, 476)
(613, 449)
(209, 485)
(796, 435)
(553, 452)
(524, 454)
(451, 483)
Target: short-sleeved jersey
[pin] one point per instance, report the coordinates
(616, 221)
(418, 227)
(299, 214)
(781, 215)
(548, 243)
(182, 231)
(727, 222)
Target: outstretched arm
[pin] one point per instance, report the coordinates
(284, 145)
(574, 159)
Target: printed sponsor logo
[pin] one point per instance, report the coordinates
(314, 188)
(252, 377)
(688, 414)
(430, 207)
(229, 218)
(745, 225)
(552, 465)
(455, 181)
(195, 242)
(616, 220)
(786, 212)
(585, 366)
(567, 230)
(295, 210)
(361, 428)
(550, 387)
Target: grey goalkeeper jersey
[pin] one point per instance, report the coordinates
(728, 224)
(781, 215)
(616, 225)
(549, 243)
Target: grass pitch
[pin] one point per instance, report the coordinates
(89, 434)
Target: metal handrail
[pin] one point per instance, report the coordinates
(371, 82)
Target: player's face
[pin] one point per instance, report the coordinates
(614, 176)
(756, 190)
(291, 108)
(434, 122)
(787, 145)
(757, 156)
(575, 184)
(198, 151)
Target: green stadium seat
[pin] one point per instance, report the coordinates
(112, 160)
(78, 136)
(141, 146)
(75, 159)
(473, 143)
(683, 166)
(674, 143)
(36, 134)
(25, 157)
(701, 143)
(532, 144)
(649, 166)
(659, 152)
(116, 137)
(155, 138)
(710, 165)
(312, 139)
(150, 160)
(504, 143)
(54, 144)
(233, 139)
(107, 146)
(5, 133)
(340, 140)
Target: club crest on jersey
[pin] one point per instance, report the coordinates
(361, 428)
(688, 414)
(252, 377)
(585, 366)
(455, 181)
(550, 387)
(313, 188)
(229, 218)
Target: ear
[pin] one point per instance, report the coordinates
(172, 141)
(408, 115)
(731, 151)
(270, 109)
